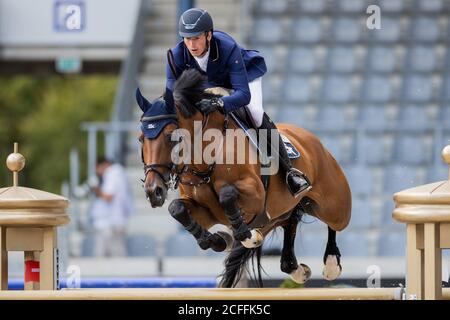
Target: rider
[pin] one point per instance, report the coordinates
(226, 64)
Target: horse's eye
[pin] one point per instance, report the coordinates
(141, 139)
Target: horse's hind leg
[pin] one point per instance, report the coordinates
(300, 273)
(181, 210)
(332, 258)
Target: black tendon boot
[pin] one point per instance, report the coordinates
(296, 180)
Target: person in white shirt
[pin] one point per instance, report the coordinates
(111, 209)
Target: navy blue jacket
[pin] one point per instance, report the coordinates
(229, 66)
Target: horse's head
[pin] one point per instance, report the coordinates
(157, 125)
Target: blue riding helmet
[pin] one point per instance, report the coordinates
(194, 22)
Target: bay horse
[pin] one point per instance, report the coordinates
(234, 195)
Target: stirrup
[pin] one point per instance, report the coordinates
(300, 192)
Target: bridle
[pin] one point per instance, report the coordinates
(174, 178)
(171, 181)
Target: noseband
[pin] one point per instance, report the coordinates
(171, 183)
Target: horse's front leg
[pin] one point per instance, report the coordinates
(228, 196)
(182, 210)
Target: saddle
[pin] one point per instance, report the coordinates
(244, 121)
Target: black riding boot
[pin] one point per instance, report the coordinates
(296, 180)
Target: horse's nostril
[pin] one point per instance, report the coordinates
(158, 192)
(155, 195)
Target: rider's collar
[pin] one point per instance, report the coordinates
(214, 48)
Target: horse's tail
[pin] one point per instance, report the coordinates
(236, 263)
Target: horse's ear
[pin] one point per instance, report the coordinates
(143, 103)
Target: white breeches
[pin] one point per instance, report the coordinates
(255, 107)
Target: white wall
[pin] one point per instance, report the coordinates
(31, 22)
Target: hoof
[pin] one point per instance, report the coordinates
(331, 270)
(218, 243)
(254, 241)
(225, 233)
(228, 239)
(204, 243)
(301, 274)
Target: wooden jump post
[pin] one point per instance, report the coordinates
(426, 212)
(28, 221)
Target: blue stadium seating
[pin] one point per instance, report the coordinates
(430, 6)
(414, 116)
(310, 244)
(295, 115)
(353, 244)
(360, 179)
(297, 89)
(337, 89)
(307, 30)
(422, 59)
(302, 60)
(342, 59)
(392, 244)
(400, 177)
(268, 31)
(362, 215)
(346, 30)
(351, 6)
(418, 89)
(437, 173)
(391, 31)
(374, 116)
(411, 150)
(273, 243)
(271, 7)
(377, 89)
(377, 153)
(425, 29)
(382, 59)
(391, 6)
(311, 6)
(333, 117)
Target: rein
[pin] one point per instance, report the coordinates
(205, 176)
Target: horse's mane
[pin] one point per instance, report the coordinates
(188, 90)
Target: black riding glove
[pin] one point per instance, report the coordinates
(206, 106)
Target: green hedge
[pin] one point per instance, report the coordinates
(44, 116)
